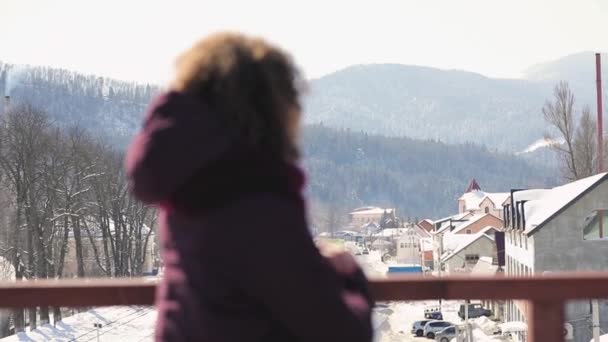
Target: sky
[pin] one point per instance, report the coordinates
(139, 40)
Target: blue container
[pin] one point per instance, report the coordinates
(405, 269)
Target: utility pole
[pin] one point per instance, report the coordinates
(600, 118)
(595, 320)
(595, 312)
(600, 132)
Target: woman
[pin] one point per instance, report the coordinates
(217, 154)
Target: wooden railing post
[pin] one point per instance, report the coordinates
(546, 321)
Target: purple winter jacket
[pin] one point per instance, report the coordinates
(240, 264)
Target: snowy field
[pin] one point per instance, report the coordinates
(392, 320)
(119, 323)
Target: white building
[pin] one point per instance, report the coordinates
(557, 230)
(363, 215)
(476, 201)
(408, 247)
(463, 251)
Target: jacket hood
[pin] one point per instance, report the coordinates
(184, 156)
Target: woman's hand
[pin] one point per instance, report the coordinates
(344, 263)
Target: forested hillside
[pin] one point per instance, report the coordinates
(346, 169)
(420, 178)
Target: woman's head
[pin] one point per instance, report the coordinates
(253, 86)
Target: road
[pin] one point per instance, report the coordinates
(393, 321)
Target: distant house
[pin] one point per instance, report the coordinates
(467, 252)
(476, 201)
(426, 249)
(426, 224)
(562, 229)
(478, 222)
(408, 247)
(364, 215)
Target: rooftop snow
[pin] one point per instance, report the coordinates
(465, 243)
(473, 199)
(545, 203)
(470, 222)
(371, 211)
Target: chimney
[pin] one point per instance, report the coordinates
(7, 103)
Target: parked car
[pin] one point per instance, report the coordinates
(447, 334)
(475, 310)
(433, 327)
(418, 327)
(365, 251)
(433, 312)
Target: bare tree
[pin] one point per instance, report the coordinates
(560, 115)
(585, 145)
(578, 153)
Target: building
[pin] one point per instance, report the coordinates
(563, 229)
(464, 251)
(408, 247)
(476, 201)
(363, 215)
(426, 224)
(477, 223)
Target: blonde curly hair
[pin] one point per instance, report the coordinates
(253, 85)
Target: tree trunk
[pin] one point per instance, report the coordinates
(18, 314)
(78, 243)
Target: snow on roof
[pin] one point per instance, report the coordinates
(543, 204)
(371, 211)
(473, 199)
(446, 225)
(421, 231)
(464, 243)
(387, 232)
(471, 221)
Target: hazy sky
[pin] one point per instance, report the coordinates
(138, 40)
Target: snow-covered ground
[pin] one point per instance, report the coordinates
(119, 323)
(392, 321)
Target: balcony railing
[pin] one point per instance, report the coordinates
(546, 294)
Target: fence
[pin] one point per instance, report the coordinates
(546, 294)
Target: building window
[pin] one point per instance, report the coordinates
(595, 226)
(469, 231)
(402, 245)
(526, 242)
(487, 210)
(471, 258)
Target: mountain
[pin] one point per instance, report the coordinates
(578, 68)
(447, 105)
(347, 169)
(109, 108)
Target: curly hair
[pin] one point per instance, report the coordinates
(252, 85)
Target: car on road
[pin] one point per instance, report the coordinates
(475, 310)
(418, 327)
(433, 312)
(447, 334)
(365, 251)
(433, 327)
